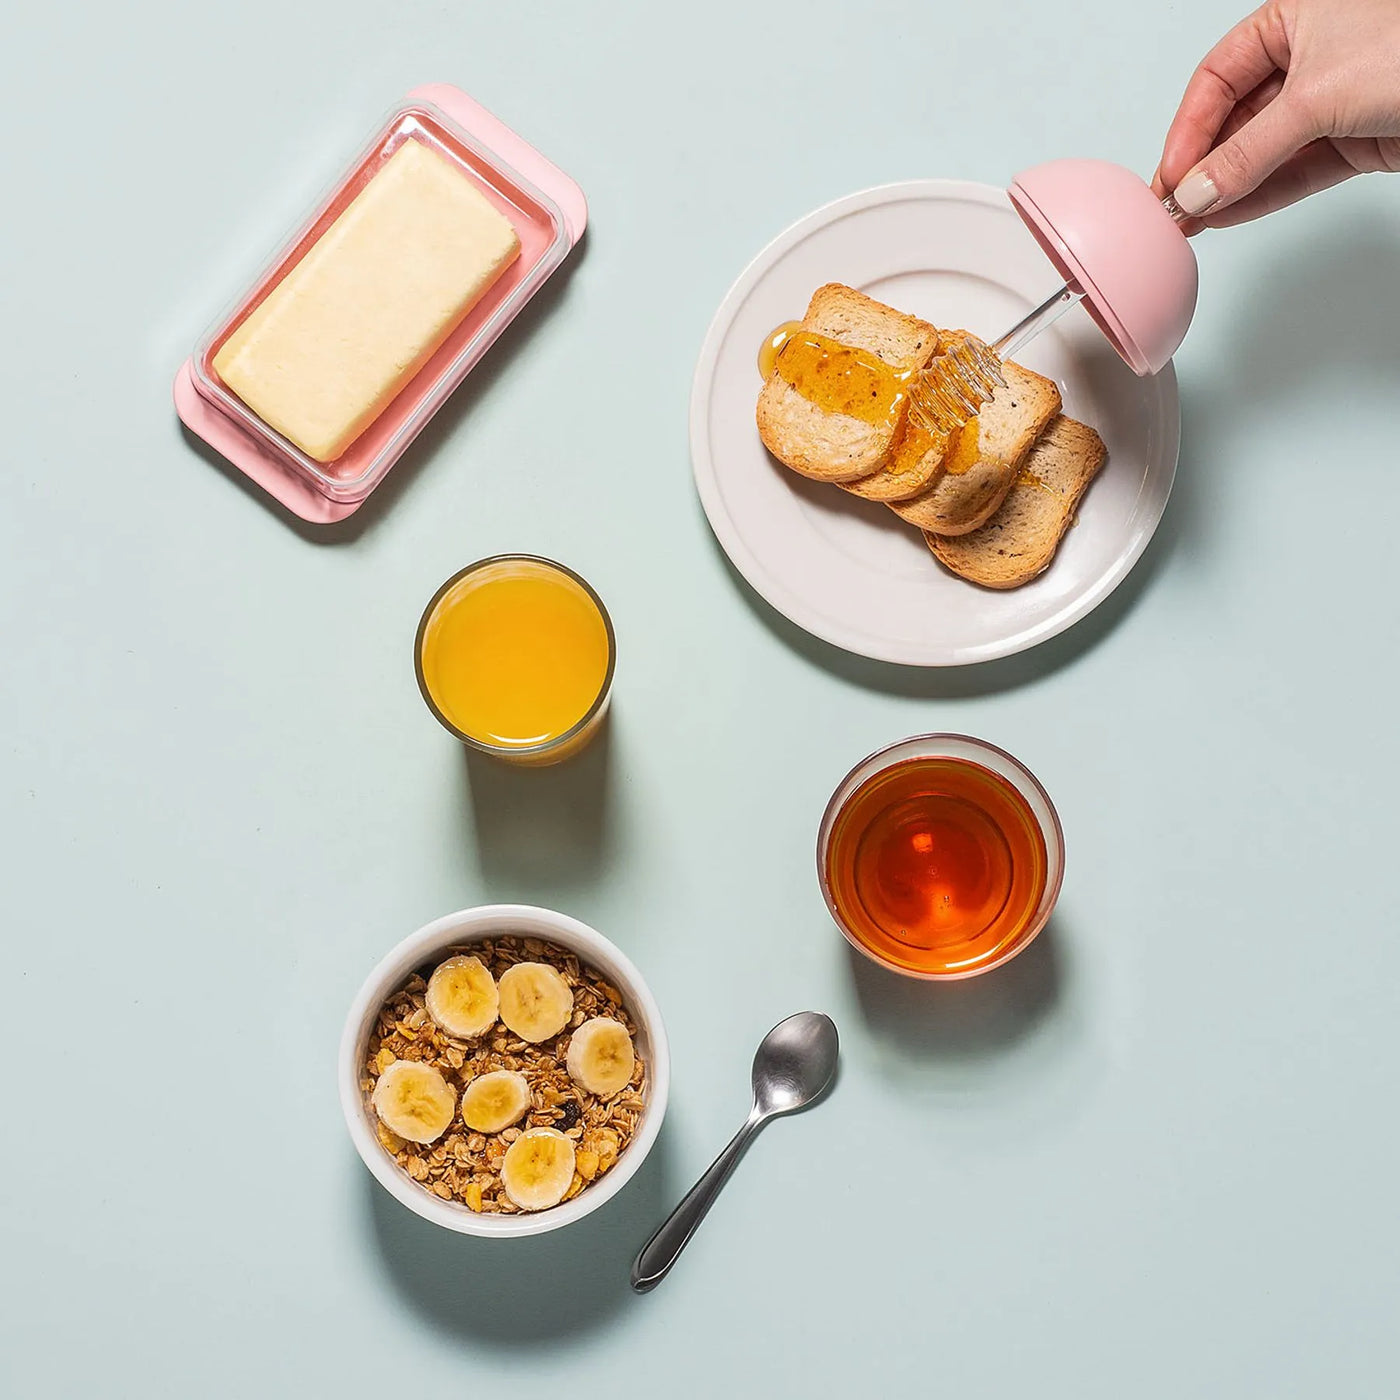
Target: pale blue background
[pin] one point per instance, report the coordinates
(1156, 1157)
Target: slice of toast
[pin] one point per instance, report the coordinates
(834, 446)
(1020, 540)
(913, 465)
(984, 461)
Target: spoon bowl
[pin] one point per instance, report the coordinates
(794, 1063)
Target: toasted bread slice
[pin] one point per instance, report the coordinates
(914, 463)
(965, 484)
(1020, 540)
(834, 446)
(983, 463)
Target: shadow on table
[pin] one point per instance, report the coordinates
(969, 1019)
(1321, 324)
(506, 1292)
(544, 828)
(496, 362)
(1328, 304)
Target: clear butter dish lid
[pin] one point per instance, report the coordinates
(543, 206)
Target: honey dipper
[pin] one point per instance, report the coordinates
(1120, 250)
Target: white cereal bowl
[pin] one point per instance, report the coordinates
(469, 926)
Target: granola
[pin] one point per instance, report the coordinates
(465, 1166)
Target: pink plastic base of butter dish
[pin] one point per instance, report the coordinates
(210, 422)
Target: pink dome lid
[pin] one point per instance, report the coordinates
(1105, 230)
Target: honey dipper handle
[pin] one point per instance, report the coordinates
(1049, 311)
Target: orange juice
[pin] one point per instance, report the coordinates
(515, 655)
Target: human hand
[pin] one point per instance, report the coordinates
(1299, 96)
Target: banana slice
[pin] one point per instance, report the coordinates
(600, 1057)
(538, 1168)
(462, 997)
(494, 1101)
(414, 1101)
(536, 1002)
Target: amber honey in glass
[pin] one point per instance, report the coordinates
(938, 863)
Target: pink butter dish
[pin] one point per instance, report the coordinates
(1114, 240)
(544, 206)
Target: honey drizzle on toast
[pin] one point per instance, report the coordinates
(1026, 477)
(840, 378)
(965, 451)
(771, 348)
(911, 446)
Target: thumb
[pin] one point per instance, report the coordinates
(1239, 164)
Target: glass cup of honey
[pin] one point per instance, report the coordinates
(940, 856)
(515, 656)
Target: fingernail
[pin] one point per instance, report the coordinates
(1196, 193)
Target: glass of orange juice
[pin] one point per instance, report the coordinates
(515, 656)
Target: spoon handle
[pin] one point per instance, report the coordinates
(664, 1247)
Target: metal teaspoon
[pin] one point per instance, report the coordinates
(792, 1066)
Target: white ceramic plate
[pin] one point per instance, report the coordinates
(850, 571)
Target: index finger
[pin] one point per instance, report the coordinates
(1242, 113)
(1252, 51)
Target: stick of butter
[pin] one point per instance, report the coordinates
(328, 348)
